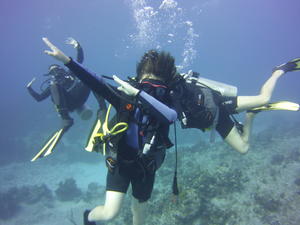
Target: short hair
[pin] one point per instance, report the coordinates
(161, 64)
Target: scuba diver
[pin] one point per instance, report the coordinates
(67, 94)
(205, 104)
(135, 144)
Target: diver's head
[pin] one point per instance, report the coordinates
(157, 66)
(56, 70)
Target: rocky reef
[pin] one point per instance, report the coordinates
(12, 201)
(221, 187)
(68, 191)
(217, 186)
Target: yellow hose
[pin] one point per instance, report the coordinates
(117, 128)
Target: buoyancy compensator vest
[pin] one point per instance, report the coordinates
(108, 134)
(198, 102)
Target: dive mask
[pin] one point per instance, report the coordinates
(153, 87)
(57, 71)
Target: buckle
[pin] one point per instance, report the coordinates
(111, 164)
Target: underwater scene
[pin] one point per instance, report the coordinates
(216, 82)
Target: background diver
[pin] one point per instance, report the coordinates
(136, 153)
(206, 104)
(67, 94)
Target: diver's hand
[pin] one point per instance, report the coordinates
(55, 52)
(73, 42)
(126, 87)
(30, 83)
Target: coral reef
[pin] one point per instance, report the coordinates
(196, 200)
(297, 181)
(93, 192)
(267, 203)
(68, 191)
(277, 159)
(11, 202)
(34, 194)
(219, 186)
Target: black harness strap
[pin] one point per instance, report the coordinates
(175, 184)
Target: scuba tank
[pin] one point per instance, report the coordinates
(225, 90)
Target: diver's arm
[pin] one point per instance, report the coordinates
(80, 55)
(76, 45)
(39, 97)
(95, 83)
(156, 108)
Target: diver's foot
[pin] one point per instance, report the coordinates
(67, 123)
(85, 218)
(290, 66)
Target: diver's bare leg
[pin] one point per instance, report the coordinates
(247, 126)
(110, 209)
(138, 211)
(238, 141)
(248, 102)
(235, 140)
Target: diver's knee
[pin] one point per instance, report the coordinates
(278, 73)
(137, 205)
(243, 149)
(110, 214)
(265, 99)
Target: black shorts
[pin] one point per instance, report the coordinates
(132, 173)
(225, 123)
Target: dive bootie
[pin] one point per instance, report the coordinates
(290, 66)
(85, 218)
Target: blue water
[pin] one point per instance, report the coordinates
(236, 42)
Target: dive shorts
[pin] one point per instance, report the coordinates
(225, 123)
(131, 173)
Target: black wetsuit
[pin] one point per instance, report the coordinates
(146, 111)
(66, 91)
